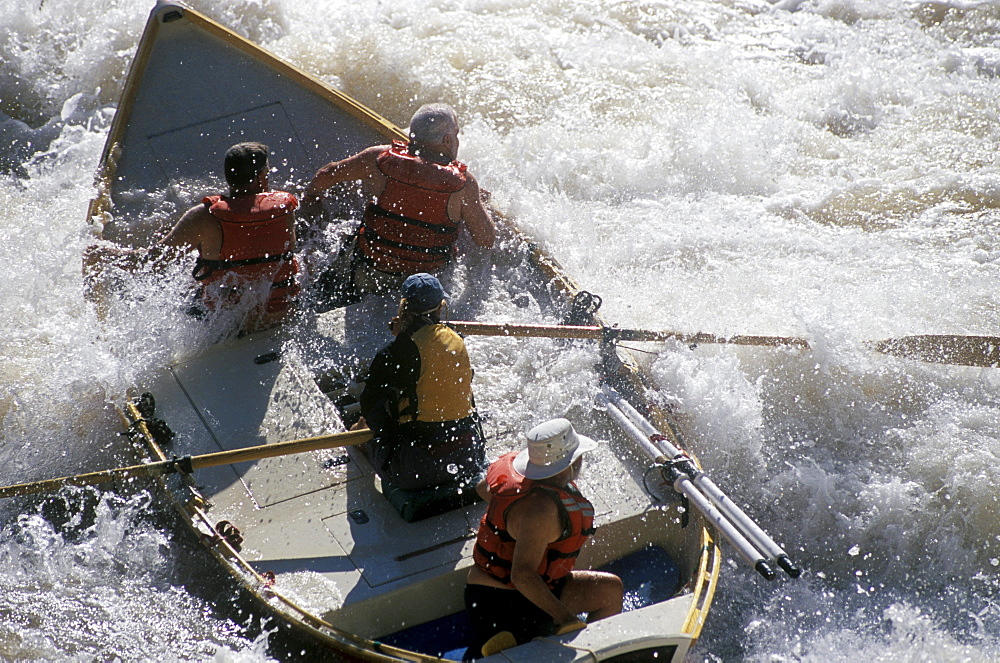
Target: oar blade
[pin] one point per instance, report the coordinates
(982, 351)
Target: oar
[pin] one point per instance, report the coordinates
(683, 465)
(944, 349)
(683, 484)
(983, 351)
(190, 463)
(746, 536)
(614, 333)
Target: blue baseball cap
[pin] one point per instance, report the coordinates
(423, 291)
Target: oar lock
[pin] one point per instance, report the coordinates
(679, 467)
(583, 308)
(181, 465)
(225, 531)
(158, 429)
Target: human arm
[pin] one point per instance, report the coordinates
(196, 229)
(483, 490)
(534, 522)
(193, 230)
(474, 215)
(361, 166)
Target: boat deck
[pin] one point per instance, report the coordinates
(319, 521)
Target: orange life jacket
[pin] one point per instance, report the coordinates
(408, 230)
(494, 551)
(256, 243)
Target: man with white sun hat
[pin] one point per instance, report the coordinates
(523, 584)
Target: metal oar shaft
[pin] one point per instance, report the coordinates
(626, 424)
(640, 421)
(750, 530)
(684, 486)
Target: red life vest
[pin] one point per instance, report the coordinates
(408, 230)
(256, 243)
(494, 551)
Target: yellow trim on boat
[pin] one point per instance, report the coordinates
(704, 590)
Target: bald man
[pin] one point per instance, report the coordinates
(419, 197)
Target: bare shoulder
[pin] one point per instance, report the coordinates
(368, 155)
(373, 151)
(194, 227)
(197, 215)
(471, 184)
(534, 516)
(536, 504)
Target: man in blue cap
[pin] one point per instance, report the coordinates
(418, 397)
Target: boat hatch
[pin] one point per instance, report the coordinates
(183, 114)
(386, 549)
(216, 134)
(226, 393)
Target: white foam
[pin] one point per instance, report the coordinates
(821, 169)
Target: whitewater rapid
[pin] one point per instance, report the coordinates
(817, 168)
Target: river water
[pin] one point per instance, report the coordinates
(816, 168)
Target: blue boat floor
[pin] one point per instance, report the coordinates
(649, 575)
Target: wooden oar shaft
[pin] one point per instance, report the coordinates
(196, 462)
(960, 350)
(350, 438)
(89, 479)
(616, 333)
(524, 331)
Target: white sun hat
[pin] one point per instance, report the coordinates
(552, 447)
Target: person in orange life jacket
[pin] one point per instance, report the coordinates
(536, 521)
(418, 397)
(244, 241)
(419, 197)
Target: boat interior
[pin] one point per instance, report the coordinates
(338, 546)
